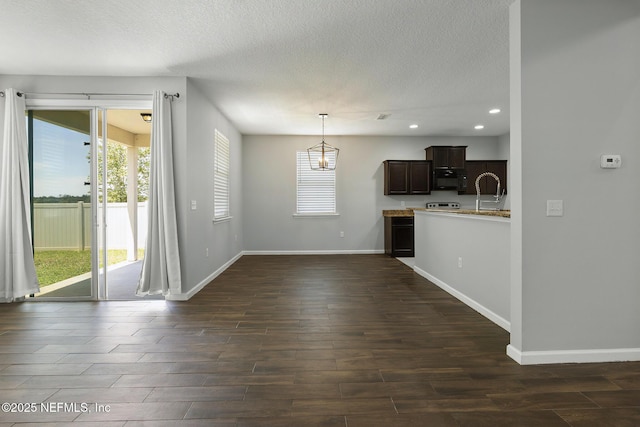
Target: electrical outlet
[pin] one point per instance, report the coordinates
(459, 262)
(342, 234)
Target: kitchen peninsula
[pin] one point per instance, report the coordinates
(467, 253)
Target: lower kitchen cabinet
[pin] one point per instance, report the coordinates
(398, 236)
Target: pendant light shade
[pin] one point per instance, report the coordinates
(323, 156)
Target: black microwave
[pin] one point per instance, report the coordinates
(450, 179)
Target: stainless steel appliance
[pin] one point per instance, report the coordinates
(450, 179)
(443, 205)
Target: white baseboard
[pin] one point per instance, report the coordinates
(325, 252)
(205, 282)
(495, 318)
(574, 356)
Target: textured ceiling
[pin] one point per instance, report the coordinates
(272, 65)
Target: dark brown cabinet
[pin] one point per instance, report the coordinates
(447, 156)
(396, 177)
(488, 185)
(398, 236)
(407, 177)
(419, 177)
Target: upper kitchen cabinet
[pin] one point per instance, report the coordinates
(447, 156)
(407, 177)
(488, 184)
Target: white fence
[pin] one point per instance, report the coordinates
(67, 226)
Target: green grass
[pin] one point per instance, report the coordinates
(55, 266)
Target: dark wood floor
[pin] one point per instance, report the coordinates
(348, 341)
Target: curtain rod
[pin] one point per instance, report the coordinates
(89, 95)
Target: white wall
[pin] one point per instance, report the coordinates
(504, 142)
(473, 266)
(579, 66)
(194, 121)
(222, 239)
(269, 190)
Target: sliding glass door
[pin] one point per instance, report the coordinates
(123, 176)
(90, 171)
(62, 202)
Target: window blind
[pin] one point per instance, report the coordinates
(316, 189)
(221, 177)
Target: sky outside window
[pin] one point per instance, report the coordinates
(60, 159)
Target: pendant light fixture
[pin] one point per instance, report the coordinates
(323, 156)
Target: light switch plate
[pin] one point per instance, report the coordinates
(555, 208)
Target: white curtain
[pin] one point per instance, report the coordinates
(17, 270)
(161, 264)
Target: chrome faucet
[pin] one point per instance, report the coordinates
(498, 195)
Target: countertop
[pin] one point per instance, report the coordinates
(398, 212)
(409, 212)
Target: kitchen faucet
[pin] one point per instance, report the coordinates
(498, 195)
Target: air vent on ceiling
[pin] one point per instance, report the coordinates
(382, 116)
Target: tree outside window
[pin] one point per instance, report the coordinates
(117, 172)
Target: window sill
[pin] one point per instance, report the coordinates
(223, 219)
(315, 215)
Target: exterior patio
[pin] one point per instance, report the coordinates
(122, 281)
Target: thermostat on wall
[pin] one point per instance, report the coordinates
(610, 161)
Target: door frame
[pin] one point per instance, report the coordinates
(99, 290)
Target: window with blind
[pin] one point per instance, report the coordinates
(316, 189)
(221, 177)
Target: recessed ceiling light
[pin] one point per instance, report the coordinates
(494, 111)
(413, 126)
(478, 127)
